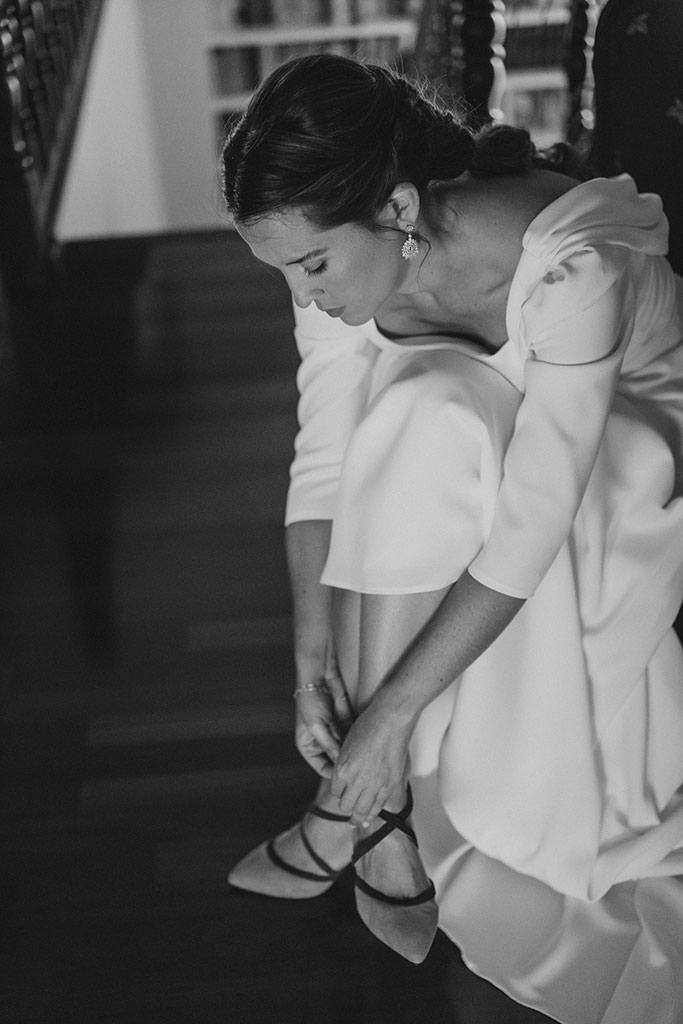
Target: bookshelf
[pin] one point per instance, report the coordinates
(246, 39)
(536, 89)
(244, 42)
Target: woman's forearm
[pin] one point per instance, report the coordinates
(468, 620)
(306, 545)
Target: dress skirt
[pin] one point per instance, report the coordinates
(549, 778)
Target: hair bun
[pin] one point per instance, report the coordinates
(502, 149)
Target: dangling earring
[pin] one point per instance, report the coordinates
(410, 247)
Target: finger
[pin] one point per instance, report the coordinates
(348, 799)
(337, 690)
(378, 803)
(336, 734)
(343, 714)
(337, 785)
(341, 786)
(325, 739)
(311, 751)
(321, 766)
(364, 809)
(318, 761)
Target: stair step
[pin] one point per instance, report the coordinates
(234, 784)
(212, 399)
(159, 678)
(212, 350)
(190, 724)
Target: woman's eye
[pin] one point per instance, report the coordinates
(312, 271)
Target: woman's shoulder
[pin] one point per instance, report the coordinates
(510, 201)
(493, 215)
(597, 213)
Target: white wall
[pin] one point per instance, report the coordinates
(174, 33)
(144, 157)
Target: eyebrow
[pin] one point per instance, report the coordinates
(308, 256)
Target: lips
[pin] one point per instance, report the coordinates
(335, 312)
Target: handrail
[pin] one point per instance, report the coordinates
(45, 49)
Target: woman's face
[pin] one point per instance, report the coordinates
(348, 271)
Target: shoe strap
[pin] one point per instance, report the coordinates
(291, 868)
(322, 864)
(330, 872)
(397, 901)
(320, 812)
(393, 820)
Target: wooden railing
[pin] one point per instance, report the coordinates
(45, 47)
(462, 45)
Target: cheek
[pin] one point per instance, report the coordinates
(371, 270)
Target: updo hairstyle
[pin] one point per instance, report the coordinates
(333, 137)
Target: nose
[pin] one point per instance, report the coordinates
(303, 293)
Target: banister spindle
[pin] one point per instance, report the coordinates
(16, 70)
(578, 65)
(36, 90)
(460, 45)
(483, 34)
(46, 65)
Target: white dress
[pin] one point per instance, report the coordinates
(549, 777)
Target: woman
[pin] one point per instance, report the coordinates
(485, 538)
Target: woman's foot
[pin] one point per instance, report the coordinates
(394, 896)
(302, 862)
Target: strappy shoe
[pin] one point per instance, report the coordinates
(407, 924)
(266, 872)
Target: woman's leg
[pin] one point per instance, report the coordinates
(394, 896)
(331, 840)
(386, 626)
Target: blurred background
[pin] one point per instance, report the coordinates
(147, 376)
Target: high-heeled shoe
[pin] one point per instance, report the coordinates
(266, 872)
(407, 924)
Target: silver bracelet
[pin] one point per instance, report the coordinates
(309, 688)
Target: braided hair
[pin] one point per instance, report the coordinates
(332, 137)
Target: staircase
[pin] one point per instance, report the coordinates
(145, 593)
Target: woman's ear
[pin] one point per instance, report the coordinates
(402, 207)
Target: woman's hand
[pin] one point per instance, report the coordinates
(371, 763)
(323, 719)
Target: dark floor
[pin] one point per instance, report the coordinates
(146, 669)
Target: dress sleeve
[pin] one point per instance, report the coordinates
(576, 326)
(333, 381)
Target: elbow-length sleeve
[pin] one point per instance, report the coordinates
(333, 381)
(576, 325)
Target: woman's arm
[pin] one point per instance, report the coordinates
(333, 380)
(576, 350)
(306, 545)
(468, 620)
(372, 760)
(322, 708)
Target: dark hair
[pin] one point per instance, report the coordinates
(332, 136)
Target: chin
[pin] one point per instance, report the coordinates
(353, 319)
